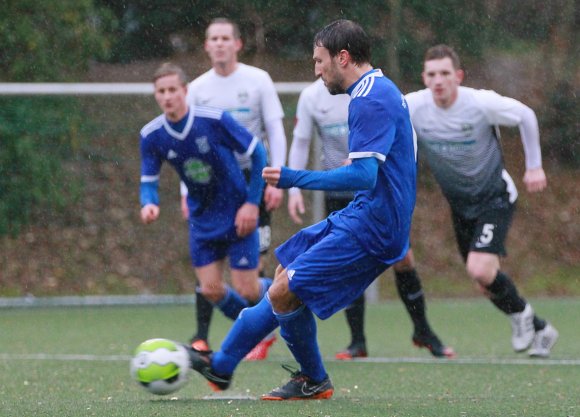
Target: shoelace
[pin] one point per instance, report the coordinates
(294, 372)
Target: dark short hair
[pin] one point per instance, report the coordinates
(168, 68)
(443, 51)
(348, 35)
(225, 20)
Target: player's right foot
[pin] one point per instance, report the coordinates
(301, 387)
(355, 350)
(431, 342)
(523, 331)
(200, 345)
(200, 361)
(544, 341)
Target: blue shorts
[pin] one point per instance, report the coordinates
(243, 252)
(327, 268)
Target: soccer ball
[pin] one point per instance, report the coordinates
(161, 366)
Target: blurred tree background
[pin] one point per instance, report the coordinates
(60, 41)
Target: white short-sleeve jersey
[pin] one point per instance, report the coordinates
(248, 94)
(461, 146)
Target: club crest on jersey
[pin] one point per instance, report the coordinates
(197, 171)
(202, 144)
(467, 128)
(243, 96)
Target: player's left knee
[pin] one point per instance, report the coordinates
(283, 300)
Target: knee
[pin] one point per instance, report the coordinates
(480, 273)
(249, 292)
(407, 264)
(213, 293)
(282, 299)
(279, 287)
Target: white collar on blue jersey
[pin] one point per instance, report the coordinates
(364, 84)
(183, 134)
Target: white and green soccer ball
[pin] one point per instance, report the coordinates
(161, 366)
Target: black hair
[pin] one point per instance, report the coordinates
(348, 35)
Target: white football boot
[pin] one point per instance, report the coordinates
(543, 342)
(523, 329)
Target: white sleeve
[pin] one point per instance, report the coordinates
(182, 189)
(299, 152)
(298, 155)
(530, 135)
(506, 111)
(190, 98)
(276, 142)
(302, 136)
(271, 105)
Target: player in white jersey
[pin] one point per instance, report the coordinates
(327, 114)
(458, 136)
(249, 95)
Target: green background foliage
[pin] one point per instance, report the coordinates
(40, 139)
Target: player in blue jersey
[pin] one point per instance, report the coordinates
(199, 143)
(325, 267)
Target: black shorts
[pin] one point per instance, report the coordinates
(264, 222)
(487, 232)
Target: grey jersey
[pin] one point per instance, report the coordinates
(317, 108)
(328, 114)
(461, 147)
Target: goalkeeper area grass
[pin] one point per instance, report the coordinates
(75, 362)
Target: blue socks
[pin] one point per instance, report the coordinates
(251, 326)
(265, 284)
(298, 329)
(231, 304)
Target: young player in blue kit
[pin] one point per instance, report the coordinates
(325, 267)
(199, 143)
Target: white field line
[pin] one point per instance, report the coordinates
(430, 361)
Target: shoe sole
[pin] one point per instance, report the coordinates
(324, 395)
(214, 387)
(448, 352)
(200, 346)
(348, 356)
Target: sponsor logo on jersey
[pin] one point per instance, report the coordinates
(335, 129)
(467, 128)
(197, 171)
(171, 154)
(202, 144)
(290, 274)
(243, 96)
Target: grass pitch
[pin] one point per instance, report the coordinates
(74, 362)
